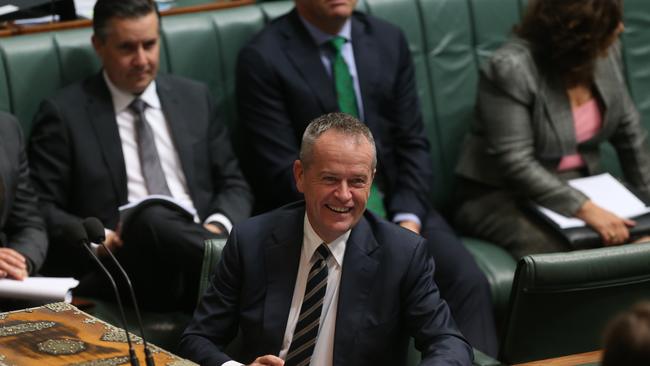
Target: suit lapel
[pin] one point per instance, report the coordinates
(305, 58)
(357, 278)
(178, 127)
(102, 119)
(281, 260)
(608, 88)
(560, 116)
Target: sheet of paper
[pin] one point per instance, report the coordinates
(605, 191)
(84, 8)
(6, 9)
(39, 288)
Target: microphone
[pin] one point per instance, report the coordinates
(76, 233)
(95, 230)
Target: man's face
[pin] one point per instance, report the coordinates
(336, 183)
(130, 52)
(317, 11)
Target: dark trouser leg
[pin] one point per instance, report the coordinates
(462, 285)
(163, 254)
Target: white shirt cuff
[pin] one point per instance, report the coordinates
(232, 363)
(222, 219)
(405, 216)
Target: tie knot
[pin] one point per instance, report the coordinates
(323, 252)
(338, 42)
(137, 105)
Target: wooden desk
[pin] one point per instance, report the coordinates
(14, 30)
(587, 358)
(61, 334)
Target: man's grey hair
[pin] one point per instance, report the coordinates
(339, 122)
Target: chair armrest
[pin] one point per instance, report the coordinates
(499, 268)
(211, 256)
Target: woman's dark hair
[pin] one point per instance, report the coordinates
(568, 35)
(627, 338)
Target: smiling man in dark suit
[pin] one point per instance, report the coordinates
(127, 133)
(325, 282)
(323, 57)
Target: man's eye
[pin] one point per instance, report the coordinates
(359, 183)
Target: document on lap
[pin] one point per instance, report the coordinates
(606, 192)
(131, 208)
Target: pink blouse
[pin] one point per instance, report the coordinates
(587, 120)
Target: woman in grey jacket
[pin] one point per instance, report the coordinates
(547, 99)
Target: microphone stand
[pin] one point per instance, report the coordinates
(132, 357)
(92, 226)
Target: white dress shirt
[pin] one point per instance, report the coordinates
(169, 159)
(324, 349)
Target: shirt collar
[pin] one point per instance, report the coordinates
(122, 99)
(321, 37)
(311, 241)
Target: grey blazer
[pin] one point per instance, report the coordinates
(21, 226)
(524, 125)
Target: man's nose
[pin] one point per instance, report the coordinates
(343, 192)
(140, 57)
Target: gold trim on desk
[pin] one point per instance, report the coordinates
(61, 335)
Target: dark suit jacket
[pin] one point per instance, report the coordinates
(282, 85)
(524, 126)
(21, 226)
(386, 294)
(78, 165)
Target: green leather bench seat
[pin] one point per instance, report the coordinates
(449, 39)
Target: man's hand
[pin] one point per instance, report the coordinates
(268, 360)
(611, 228)
(215, 229)
(113, 242)
(12, 264)
(411, 225)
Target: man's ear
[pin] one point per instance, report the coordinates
(97, 43)
(298, 175)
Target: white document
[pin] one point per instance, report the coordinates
(131, 207)
(84, 8)
(54, 289)
(6, 9)
(605, 191)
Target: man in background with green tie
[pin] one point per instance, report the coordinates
(323, 57)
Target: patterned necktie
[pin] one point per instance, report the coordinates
(154, 177)
(306, 332)
(348, 104)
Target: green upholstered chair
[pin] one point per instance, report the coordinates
(561, 302)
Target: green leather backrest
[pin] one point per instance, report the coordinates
(32, 72)
(561, 302)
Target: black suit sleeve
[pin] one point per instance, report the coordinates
(50, 158)
(216, 319)
(412, 174)
(427, 316)
(231, 193)
(272, 142)
(24, 227)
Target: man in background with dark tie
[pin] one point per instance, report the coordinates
(325, 282)
(122, 135)
(323, 57)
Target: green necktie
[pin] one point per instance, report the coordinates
(347, 101)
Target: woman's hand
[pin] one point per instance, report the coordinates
(611, 228)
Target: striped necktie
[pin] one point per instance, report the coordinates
(347, 101)
(306, 332)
